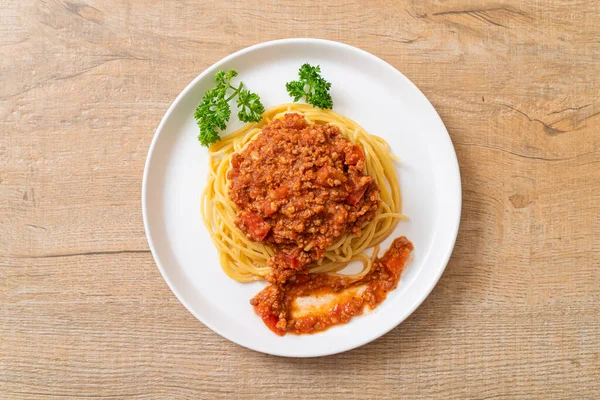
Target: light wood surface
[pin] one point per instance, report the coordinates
(84, 312)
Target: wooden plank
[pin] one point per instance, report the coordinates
(85, 313)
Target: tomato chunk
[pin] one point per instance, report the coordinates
(282, 191)
(395, 258)
(271, 322)
(323, 174)
(291, 261)
(356, 195)
(270, 208)
(354, 154)
(256, 226)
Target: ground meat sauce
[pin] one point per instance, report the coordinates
(276, 303)
(298, 187)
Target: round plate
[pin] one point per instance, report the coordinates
(365, 89)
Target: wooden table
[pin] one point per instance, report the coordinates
(84, 312)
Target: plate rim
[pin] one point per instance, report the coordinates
(455, 174)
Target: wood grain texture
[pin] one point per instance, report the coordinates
(84, 312)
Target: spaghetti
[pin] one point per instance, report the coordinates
(246, 260)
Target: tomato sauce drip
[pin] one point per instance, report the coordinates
(276, 304)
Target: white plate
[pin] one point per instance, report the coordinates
(365, 89)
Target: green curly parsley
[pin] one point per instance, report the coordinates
(312, 87)
(214, 112)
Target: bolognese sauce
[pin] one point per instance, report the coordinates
(277, 304)
(298, 187)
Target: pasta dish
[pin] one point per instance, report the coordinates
(293, 199)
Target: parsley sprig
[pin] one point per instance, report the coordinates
(312, 87)
(213, 113)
